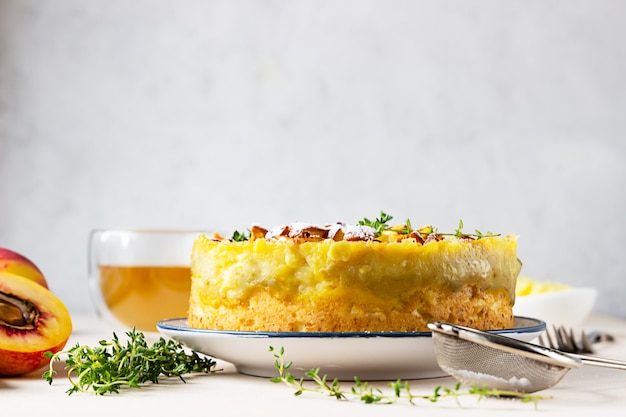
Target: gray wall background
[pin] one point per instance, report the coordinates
(216, 114)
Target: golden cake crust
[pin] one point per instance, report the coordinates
(468, 306)
(352, 286)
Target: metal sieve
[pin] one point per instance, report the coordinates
(480, 358)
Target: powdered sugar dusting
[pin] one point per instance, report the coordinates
(298, 228)
(358, 232)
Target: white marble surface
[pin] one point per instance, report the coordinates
(217, 114)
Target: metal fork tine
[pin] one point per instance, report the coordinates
(542, 342)
(556, 337)
(572, 340)
(561, 340)
(554, 343)
(548, 342)
(586, 344)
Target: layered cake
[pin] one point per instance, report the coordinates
(365, 277)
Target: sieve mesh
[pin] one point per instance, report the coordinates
(479, 365)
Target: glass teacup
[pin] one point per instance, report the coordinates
(140, 277)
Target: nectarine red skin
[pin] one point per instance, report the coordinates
(21, 363)
(18, 264)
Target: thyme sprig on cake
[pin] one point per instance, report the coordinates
(398, 390)
(107, 368)
(382, 224)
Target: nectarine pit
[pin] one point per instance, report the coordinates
(17, 313)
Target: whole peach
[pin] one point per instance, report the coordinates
(18, 264)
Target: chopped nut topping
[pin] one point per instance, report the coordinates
(257, 232)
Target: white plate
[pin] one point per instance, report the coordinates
(370, 356)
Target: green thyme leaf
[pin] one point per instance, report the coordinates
(379, 224)
(368, 394)
(241, 237)
(107, 368)
(459, 232)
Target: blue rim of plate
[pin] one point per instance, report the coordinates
(532, 325)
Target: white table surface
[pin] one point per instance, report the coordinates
(587, 391)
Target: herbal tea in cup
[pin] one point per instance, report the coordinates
(140, 277)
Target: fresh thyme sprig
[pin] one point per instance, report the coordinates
(477, 233)
(367, 393)
(112, 365)
(380, 224)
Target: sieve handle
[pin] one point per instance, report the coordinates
(602, 362)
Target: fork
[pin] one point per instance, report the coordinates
(565, 340)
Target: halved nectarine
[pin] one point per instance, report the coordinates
(32, 321)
